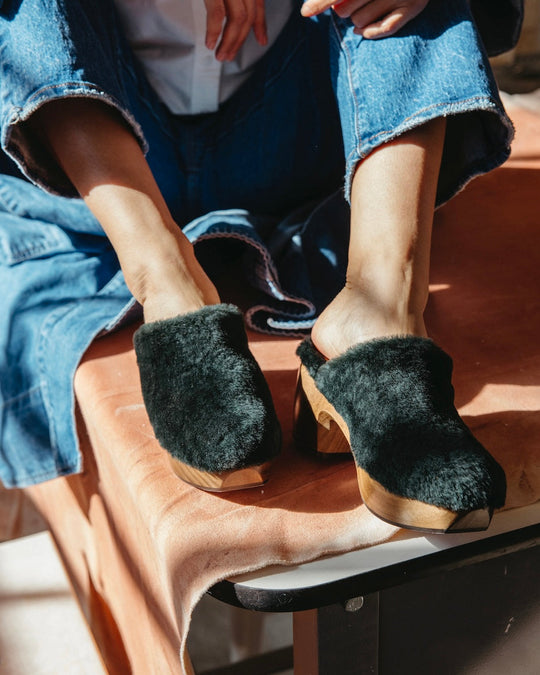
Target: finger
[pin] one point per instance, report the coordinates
(259, 24)
(237, 16)
(245, 27)
(215, 15)
(384, 28)
(373, 11)
(390, 23)
(348, 7)
(313, 7)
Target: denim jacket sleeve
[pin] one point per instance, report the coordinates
(499, 23)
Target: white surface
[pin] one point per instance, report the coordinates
(42, 630)
(405, 546)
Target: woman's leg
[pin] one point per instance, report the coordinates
(82, 130)
(392, 204)
(418, 465)
(205, 395)
(104, 161)
(417, 126)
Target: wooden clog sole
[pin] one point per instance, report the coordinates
(222, 481)
(333, 437)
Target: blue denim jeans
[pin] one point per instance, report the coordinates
(267, 170)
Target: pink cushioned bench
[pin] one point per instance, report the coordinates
(142, 547)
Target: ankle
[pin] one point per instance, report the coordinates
(172, 299)
(355, 316)
(170, 284)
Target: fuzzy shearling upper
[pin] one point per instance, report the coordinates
(205, 394)
(397, 399)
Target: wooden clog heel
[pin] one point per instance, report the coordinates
(207, 399)
(390, 402)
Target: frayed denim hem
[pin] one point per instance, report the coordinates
(494, 155)
(34, 159)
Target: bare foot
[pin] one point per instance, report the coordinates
(103, 159)
(353, 317)
(170, 285)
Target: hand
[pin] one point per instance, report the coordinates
(372, 18)
(232, 20)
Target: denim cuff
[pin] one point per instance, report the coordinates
(434, 67)
(32, 154)
(51, 50)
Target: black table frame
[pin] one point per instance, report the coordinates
(363, 623)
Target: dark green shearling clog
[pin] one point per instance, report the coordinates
(206, 397)
(396, 396)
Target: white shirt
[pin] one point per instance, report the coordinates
(168, 37)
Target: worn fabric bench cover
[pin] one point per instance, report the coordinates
(142, 546)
